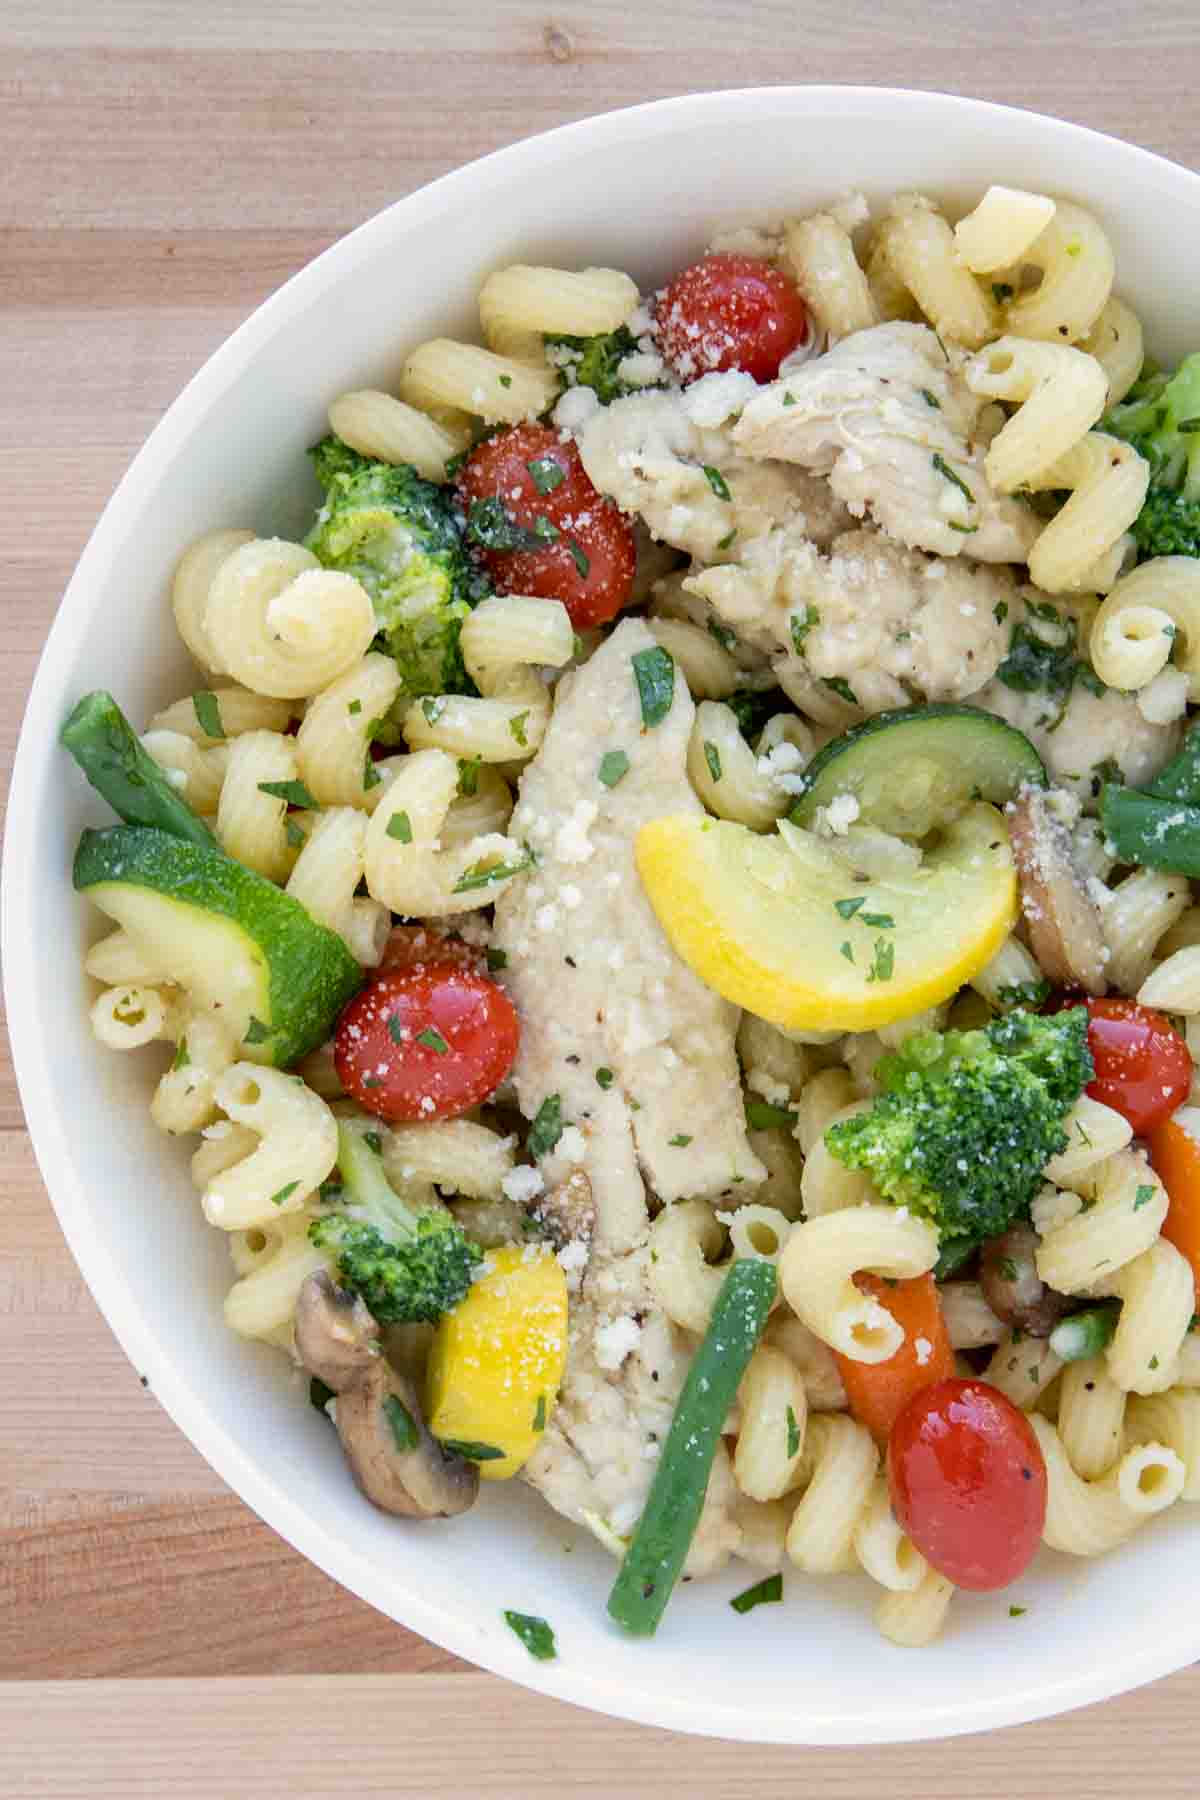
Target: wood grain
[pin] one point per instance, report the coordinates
(164, 165)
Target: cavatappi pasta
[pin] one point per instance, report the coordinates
(519, 863)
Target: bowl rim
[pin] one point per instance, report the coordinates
(1125, 1666)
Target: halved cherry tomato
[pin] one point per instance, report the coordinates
(528, 490)
(1175, 1155)
(425, 1042)
(419, 946)
(1143, 1067)
(968, 1482)
(730, 312)
(879, 1392)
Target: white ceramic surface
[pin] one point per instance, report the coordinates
(639, 190)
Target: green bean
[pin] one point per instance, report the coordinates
(660, 1544)
(106, 747)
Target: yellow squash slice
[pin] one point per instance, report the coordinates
(771, 922)
(497, 1360)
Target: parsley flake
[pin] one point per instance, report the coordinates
(837, 684)
(534, 1633)
(373, 1141)
(399, 826)
(717, 482)
(712, 757)
(517, 726)
(284, 1193)
(846, 909)
(881, 921)
(579, 558)
(371, 775)
(681, 1140)
(181, 1059)
(801, 624)
(505, 381)
(539, 1414)
(295, 837)
(396, 1030)
(482, 874)
(727, 543)
(496, 959)
(547, 474)
(468, 776)
(401, 1424)
(930, 399)
(1142, 1198)
(654, 672)
(294, 792)
(613, 765)
(1017, 1612)
(768, 1589)
(208, 714)
(257, 1032)
(762, 1116)
(793, 1433)
(943, 468)
(432, 1040)
(470, 1451)
(547, 1126)
(848, 953)
(354, 708)
(885, 961)
(604, 1078)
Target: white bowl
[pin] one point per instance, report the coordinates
(639, 190)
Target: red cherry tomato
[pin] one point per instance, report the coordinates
(1143, 1067)
(588, 558)
(968, 1482)
(730, 312)
(426, 1041)
(419, 946)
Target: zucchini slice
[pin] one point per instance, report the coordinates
(915, 770)
(233, 940)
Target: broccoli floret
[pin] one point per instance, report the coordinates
(595, 362)
(966, 1121)
(407, 1263)
(398, 535)
(1161, 419)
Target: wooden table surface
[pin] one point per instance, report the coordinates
(164, 164)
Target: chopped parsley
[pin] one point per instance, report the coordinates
(1017, 1612)
(613, 765)
(534, 1633)
(371, 775)
(604, 1078)
(517, 726)
(717, 482)
(848, 952)
(1000, 611)
(768, 1589)
(504, 380)
(295, 837)
(930, 399)
(579, 558)
(654, 672)
(681, 1140)
(547, 474)
(837, 684)
(1143, 1197)
(881, 921)
(789, 399)
(712, 757)
(943, 468)
(1002, 291)
(481, 875)
(208, 714)
(373, 1141)
(492, 527)
(471, 1451)
(547, 1126)
(762, 1116)
(433, 706)
(726, 543)
(793, 1433)
(401, 1424)
(885, 961)
(257, 1032)
(433, 1040)
(539, 1414)
(468, 776)
(399, 826)
(284, 1193)
(846, 909)
(716, 630)
(496, 959)
(395, 1030)
(181, 1059)
(294, 792)
(801, 624)
(354, 707)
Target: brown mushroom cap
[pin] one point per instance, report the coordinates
(396, 1461)
(1064, 923)
(567, 1211)
(1012, 1286)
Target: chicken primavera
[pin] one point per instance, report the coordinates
(670, 912)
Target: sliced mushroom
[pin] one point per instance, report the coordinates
(1065, 933)
(396, 1461)
(567, 1212)
(1012, 1286)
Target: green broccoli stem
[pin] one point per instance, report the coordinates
(655, 1557)
(366, 1185)
(106, 747)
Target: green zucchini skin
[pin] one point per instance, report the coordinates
(962, 753)
(304, 971)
